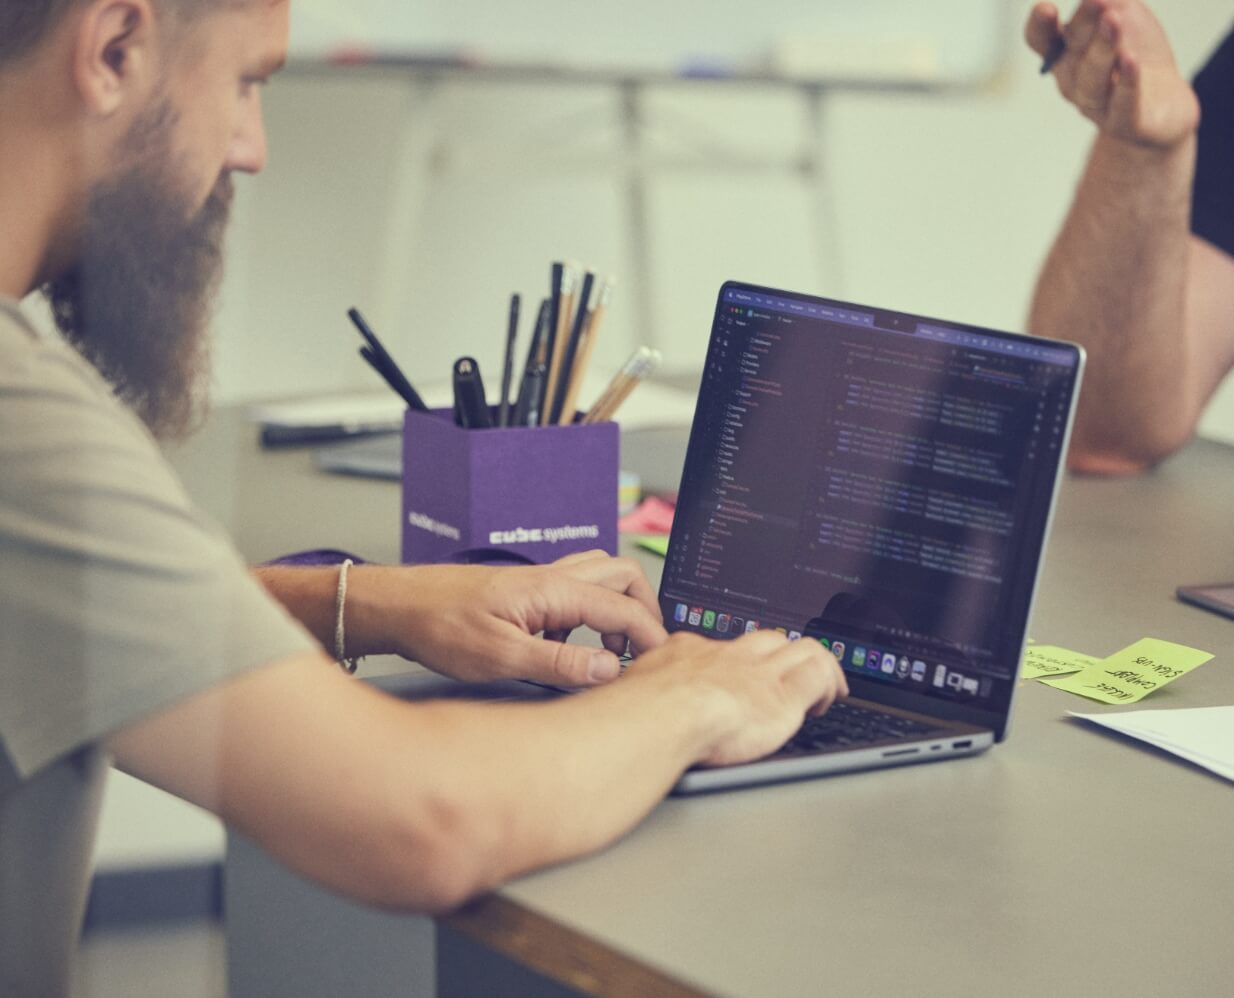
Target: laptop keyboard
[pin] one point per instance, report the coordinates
(849, 724)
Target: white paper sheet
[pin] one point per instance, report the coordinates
(1202, 735)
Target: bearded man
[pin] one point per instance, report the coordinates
(130, 630)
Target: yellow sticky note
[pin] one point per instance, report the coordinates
(656, 545)
(1042, 661)
(1130, 675)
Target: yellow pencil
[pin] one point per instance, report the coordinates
(565, 319)
(587, 343)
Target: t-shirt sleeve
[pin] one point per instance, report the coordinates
(1212, 205)
(117, 596)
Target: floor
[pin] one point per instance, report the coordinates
(185, 961)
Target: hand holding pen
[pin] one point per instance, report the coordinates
(1115, 64)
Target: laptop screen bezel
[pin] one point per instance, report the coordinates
(878, 691)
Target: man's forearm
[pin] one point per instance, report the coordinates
(422, 805)
(308, 593)
(1116, 281)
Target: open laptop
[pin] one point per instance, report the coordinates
(882, 483)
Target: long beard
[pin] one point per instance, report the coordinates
(138, 302)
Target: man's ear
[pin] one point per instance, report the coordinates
(114, 56)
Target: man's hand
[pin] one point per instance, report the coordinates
(479, 623)
(1119, 70)
(762, 684)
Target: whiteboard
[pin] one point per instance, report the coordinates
(925, 41)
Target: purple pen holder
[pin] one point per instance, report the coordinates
(514, 494)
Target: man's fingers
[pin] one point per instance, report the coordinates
(572, 603)
(618, 644)
(1082, 28)
(1094, 73)
(621, 575)
(811, 674)
(1124, 96)
(811, 685)
(1042, 27)
(578, 556)
(564, 664)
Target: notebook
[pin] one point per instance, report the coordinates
(881, 483)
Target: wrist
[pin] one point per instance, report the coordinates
(703, 713)
(366, 618)
(1132, 170)
(1142, 155)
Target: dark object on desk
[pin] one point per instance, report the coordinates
(924, 635)
(277, 435)
(381, 361)
(374, 457)
(540, 491)
(1217, 597)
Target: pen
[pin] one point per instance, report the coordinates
(587, 344)
(642, 362)
(565, 314)
(1058, 46)
(557, 276)
(390, 378)
(470, 406)
(507, 369)
(568, 355)
(384, 364)
(527, 411)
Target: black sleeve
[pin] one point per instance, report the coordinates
(1212, 202)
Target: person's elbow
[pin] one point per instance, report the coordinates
(1131, 455)
(439, 856)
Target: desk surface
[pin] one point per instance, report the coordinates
(1064, 861)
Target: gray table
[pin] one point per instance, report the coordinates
(1064, 862)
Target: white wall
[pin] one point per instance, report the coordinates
(943, 205)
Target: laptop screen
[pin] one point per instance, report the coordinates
(877, 481)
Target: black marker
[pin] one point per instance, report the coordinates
(507, 370)
(470, 407)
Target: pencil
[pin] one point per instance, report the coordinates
(587, 343)
(570, 353)
(642, 362)
(565, 314)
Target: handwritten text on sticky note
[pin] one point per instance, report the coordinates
(1133, 673)
(1050, 660)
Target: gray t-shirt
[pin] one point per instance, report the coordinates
(117, 598)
